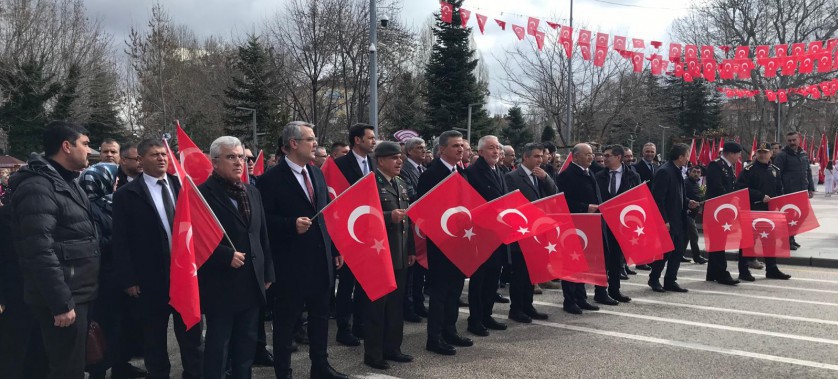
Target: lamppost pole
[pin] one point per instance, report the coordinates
(568, 105)
(373, 68)
(663, 139)
(253, 111)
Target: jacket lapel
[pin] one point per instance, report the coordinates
(221, 196)
(526, 179)
(291, 179)
(145, 194)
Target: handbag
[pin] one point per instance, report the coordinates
(95, 348)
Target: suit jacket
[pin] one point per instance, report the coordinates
(433, 175)
(671, 196)
(519, 180)
(643, 170)
(629, 180)
(222, 286)
(141, 247)
(488, 183)
(348, 165)
(580, 190)
(721, 179)
(300, 260)
(410, 175)
(400, 234)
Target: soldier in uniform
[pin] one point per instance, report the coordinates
(721, 180)
(763, 181)
(384, 318)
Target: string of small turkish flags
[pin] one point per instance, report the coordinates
(689, 62)
(814, 91)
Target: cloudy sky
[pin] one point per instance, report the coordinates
(647, 19)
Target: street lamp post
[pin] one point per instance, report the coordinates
(569, 113)
(373, 67)
(663, 139)
(255, 141)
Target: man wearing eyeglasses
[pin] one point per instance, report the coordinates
(320, 156)
(129, 165)
(251, 163)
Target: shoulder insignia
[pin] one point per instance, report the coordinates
(748, 166)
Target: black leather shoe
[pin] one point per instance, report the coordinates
(777, 274)
(440, 347)
(605, 299)
(674, 287)
(129, 371)
(685, 260)
(746, 276)
(347, 339)
(422, 311)
(616, 295)
(572, 309)
(412, 317)
(795, 244)
(656, 286)
(624, 276)
(399, 357)
(493, 324)
(699, 259)
(793, 247)
(326, 371)
(587, 306)
(536, 315)
(727, 280)
(301, 336)
(478, 330)
(294, 347)
(520, 316)
(375, 363)
(285, 375)
(643, 267)
(630, 271)
(458, 340)
(263, 358)
(500, 299)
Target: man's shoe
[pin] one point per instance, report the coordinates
(421, 311)
(536, 290)
(412, 317)
(478, 330)
(263, 358)
(795, 244)
(624, 276)
(777, 274)
(643, 267)
(129, 371)
(616, 295)
(399, 357)
(326, 371)
(550, 285)
(500, 299)
(493, 324)
(727, 280)
(746, 276)
(376, 363)
(674, 287)
(520, 316)
(755, 265)
(301, 336)
(699, 260)
(440, 347)
(793, 247)
(458, 340)
(604, 299)
(536, 315)
(344, 337)
(572, 309)
(629, 270)
(587, 306)
(684, 259)
(656, 286)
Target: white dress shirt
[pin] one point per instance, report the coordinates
(156, 192)
(618, 173)
(362, 163)
(298, 173)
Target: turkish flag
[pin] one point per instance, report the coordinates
(789, 66)
(690, 52)
(532, 26)
(679, 70)
(771, 66)
(481, 22)
(745, 67)
(553, 204)
(675, 52)
(823, 156)
(589, 233)
(762, 52)
(634, 219)
(566, 163)
(619, 43)
(566, 39)
(771, 96)
(601, 39)
(637, 61)
(355, 221)
(550, 255)
(446, 12)
(335, 181)
(464, 16)
(782, 96)
(553, 25)
(726, 69)
(703, 155)
(502, 24)
(638, 43)
(585, 50)
(815, 47)
(259, 168)
(727, 222)
(781, 51)
(512, 217)
(709, 70)
(742, 52)
(195, 162)
(797, 49)
(657, 65)
(798, 210)
(444, 216)
(584, 38)
(519, 31)
(195, 235)
(599, 57)
(420, 242)
(693, 154)
(824, 63)
(770, 236)
(539, 39)
(807, 64)
(708, 53)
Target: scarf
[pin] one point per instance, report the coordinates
(237, 192)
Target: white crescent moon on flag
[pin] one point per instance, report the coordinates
(578, 232)
(450, 212)
(332, 192)
(188, 227)
(628, 209)
(353, 217)
(511, 211)
(418, 233)
(726, 206)
(765, 220)
(792, 207)
(558, 233)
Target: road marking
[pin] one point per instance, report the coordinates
(686, 345)
(784, 268)
(749, 284)
(375, 376)
(749, 296)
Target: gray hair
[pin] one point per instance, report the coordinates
(647, 144)
(223, 141)
(532, 146)
(481, 143)
(578, 147)
(508, 147)
(293, 131)
(448, 134)
(412, 142)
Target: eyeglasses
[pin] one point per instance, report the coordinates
(234, 157)
(251, 159)
(135, 159)
(309, 139)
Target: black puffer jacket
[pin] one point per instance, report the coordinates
(794, 170)
(54, 237)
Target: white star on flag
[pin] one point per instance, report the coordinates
(639, 231)
(575, 256)
(763, 235)
(726, 227)
(551, 248)
(469, 233)
(378, 246)
(793, 222)
(523, 230)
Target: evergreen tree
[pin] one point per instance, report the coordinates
(23, 113)
(516, 132)
(451, 81)
(407, 109)
(696, 106)
(548, 134)
(254, 87)
(104, 121)
(64, 104)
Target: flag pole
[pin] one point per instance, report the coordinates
(214, 217)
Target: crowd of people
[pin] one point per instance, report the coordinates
(93, 244)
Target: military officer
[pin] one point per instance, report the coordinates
(721, 180)
(763, 181)
(384, 318)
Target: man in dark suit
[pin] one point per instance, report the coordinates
(647, 167)
(234, 278)
(671, 197)
(293, 192)
(354, 166)
(383, 318)
(129, 165)
(485, 176)
(414, 300)
(721, 180)
(615, 179)
(692, 185)
(534, 184)
(143, 213)
(582, 194)
(446, 280)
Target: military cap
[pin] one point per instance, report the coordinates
(387, 149)
(764, 146)
(731, 147)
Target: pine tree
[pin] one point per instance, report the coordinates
(23, 113)
(451, 82)
(104, 121)
(516, 132)
(69, 93)
(548, 134)
(407, 109)
(696, 106)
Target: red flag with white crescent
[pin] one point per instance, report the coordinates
(727, 221)
(259, 168)
(636, 223)
(194, 161)
(336, 183)
(446, 12)
(512, 217)
(420, 243)
(550, 255)
(355, 220)
(693, 154)
(770, 236)
(798, 210)
(532, 26)
(481, 22)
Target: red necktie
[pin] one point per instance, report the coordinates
(309, 188)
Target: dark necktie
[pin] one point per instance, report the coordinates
(612, 184)
(535, 184)
(421, 169)
(309, 188)
(168, 203)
